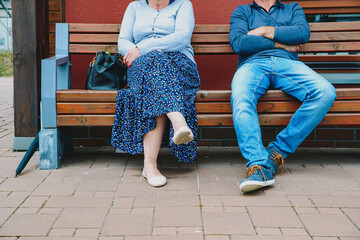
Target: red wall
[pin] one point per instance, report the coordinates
(215, 71)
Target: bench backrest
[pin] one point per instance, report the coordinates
(335, 37)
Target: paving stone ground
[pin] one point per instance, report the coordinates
(100, 195)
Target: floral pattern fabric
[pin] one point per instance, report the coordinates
(158, 83)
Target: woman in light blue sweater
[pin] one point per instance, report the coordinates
(155, 39)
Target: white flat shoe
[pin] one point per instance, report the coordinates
(183, 136)
(155, 181)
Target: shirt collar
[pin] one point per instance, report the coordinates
(277, 4)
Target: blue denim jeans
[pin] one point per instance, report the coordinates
(252, 80)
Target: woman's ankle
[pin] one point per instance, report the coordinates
(150, 169)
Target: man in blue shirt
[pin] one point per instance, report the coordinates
(267, 35)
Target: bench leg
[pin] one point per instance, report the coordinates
(54, 145)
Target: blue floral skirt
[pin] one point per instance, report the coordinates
(158, 83)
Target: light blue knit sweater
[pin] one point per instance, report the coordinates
(168, 29)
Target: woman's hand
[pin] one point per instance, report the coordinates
(131, 55)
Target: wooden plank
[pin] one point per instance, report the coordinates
(85, 108)
(274, 107)
(52, 38)
(225, 48)
(279, 119)
(355, 10)
(93, 28)
(331, 47)
(94, 38)
(210, 28)
(330, 119)
(51, 50)
(207, 107)
(212, 38)
(334, 36)
(334, 26)
(51, 27)
(85, 120)
(55, 16)
(74, 95)
(329, 58)
(54, 6)
(85, 48)
(113, 38)
(271, 95)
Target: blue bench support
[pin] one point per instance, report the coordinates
(54, 142)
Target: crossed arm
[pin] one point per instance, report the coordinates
(269, 33)
(247, 42)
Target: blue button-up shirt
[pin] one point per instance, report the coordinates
(291, 28)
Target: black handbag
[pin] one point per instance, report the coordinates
(106, 72)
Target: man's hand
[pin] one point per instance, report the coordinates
(266, 31)
(290, 48)
(131, 55)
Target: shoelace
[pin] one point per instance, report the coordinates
(252, 170)
(278, 159)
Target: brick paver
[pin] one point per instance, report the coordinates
(100, 195)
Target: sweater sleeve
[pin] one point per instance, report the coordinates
(297, 33)
(176, 41)
(126, 39)
(242, 43)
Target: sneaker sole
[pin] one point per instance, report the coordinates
(250, 186)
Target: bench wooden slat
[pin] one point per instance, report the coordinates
(225, 48)
(74, 95)
(94, 27)
(211, 38)
(334, 26)
(275, 107)
(334, 36)
(211, 120)
(279, 119)
(85, 108)
(207, 28)
(207, 107)
(332, 10)
(329, 58)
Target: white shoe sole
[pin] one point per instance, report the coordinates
(183, 136)
(250, 186)
(158, 181)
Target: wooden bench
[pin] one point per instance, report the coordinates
(63, 107)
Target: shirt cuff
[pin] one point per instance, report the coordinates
(276, 33)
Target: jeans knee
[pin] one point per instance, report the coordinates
(240, 103)
(327, 94)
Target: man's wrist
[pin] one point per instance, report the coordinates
(269, 32)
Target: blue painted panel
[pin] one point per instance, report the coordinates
(54, 145)
(62, 39)
(48, 93)
(48, 149)
(63, 74)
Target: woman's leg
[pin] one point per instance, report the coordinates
(177, 120)
(152, 143)
(182, 132)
